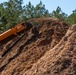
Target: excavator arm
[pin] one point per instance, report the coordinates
(11, 33)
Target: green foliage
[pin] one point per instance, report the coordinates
(29, 11)
(13, 12)
(35, 12)
(10, 13)
(72, 18)
(59, 14)
(40, 11)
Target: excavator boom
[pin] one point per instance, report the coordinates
(11, 33)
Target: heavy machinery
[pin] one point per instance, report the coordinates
(11, 33)
(21, 28)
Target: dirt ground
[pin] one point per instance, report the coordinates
(49, 50)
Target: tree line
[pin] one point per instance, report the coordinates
(13, 12)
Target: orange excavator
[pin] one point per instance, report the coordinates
(11, 33)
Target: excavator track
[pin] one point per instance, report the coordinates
(12, 45)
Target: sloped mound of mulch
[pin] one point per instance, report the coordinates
(32, 47)
(60, 60)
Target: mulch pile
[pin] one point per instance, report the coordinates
(60, 60)
(40, 52)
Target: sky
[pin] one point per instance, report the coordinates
(67, 6)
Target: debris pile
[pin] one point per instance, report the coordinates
(60, 60)
(40, 51)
